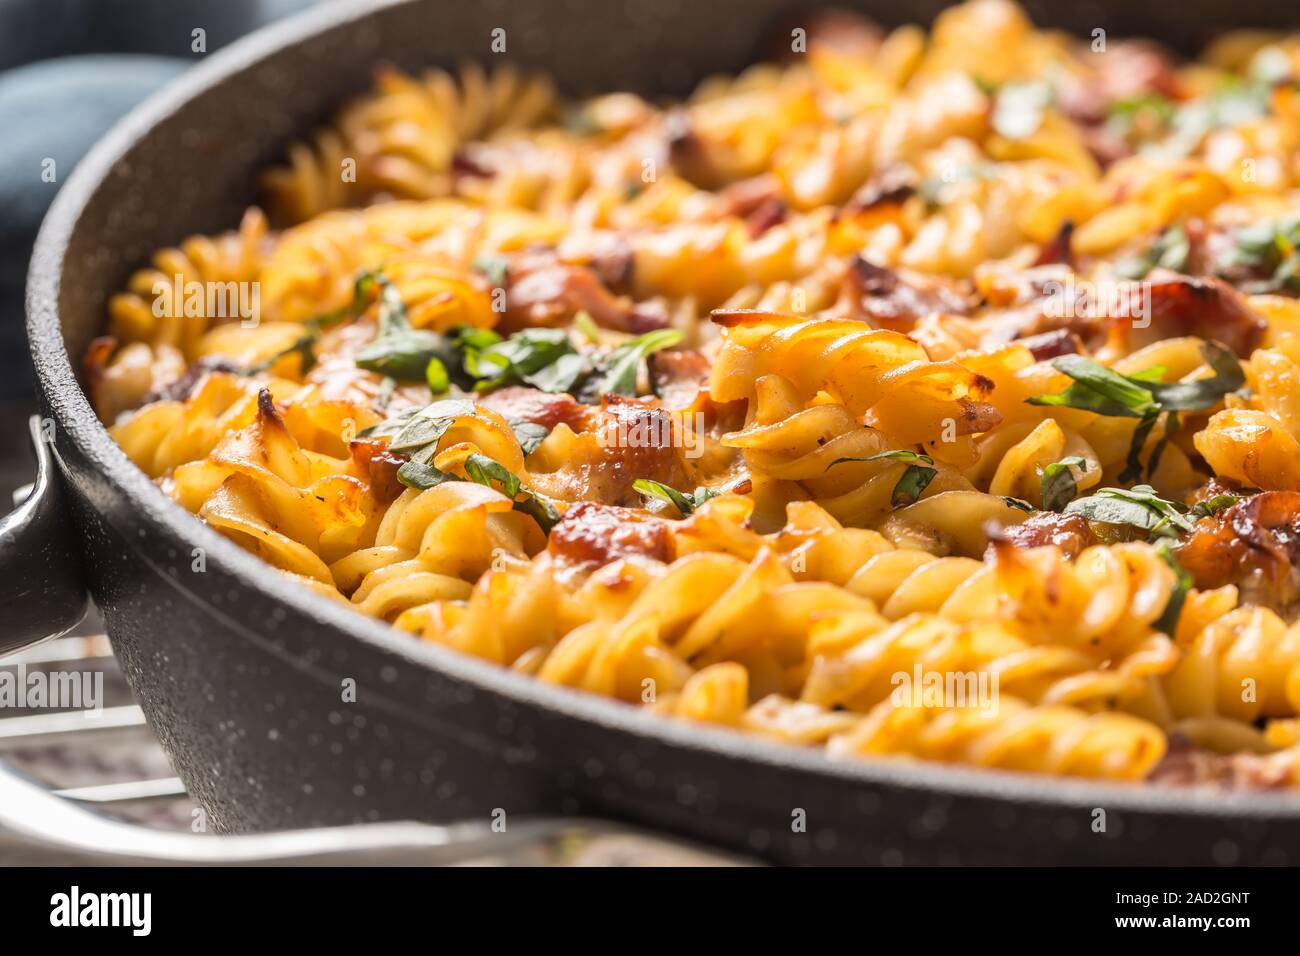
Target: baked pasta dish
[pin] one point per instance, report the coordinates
(890, 397)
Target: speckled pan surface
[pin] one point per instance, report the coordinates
(241, 673)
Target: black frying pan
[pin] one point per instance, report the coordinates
(240, 671)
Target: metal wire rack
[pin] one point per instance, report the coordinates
(92, 786)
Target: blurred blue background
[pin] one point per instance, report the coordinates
(68, 70)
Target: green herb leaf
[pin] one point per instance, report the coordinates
(469, 337)
(687, 502)
(417, 427)
(1139, 506)
(528, 434)
(1170, 250)
(1133, 464)
(1203, 393)
(397, 350)
(405, 354)
(392, 310)
(585, 324)
(1020, 107)
(911, 485)
(914, 480)
(518, 358)
(485, 471)
(1172, 424)
(304, 347)
(1143, 396)
(1098, 389)
(1059, 487)
(363, 290)
(902, 454)
(435, 375)
(422, 476)
(495, 268)
(1127, 110)
(1232, 104)
(625, 361)
(540, 510)
(562, 375)
(1271, 245)
(682, 501)
(1019, 504)
(1168, 620)
(1212, 506)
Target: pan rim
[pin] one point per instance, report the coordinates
(159, 514)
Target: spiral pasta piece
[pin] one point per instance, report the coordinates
(887, 398)
(1019, 736)
(401, 140)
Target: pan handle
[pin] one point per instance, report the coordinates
(39, 828)
(41, 589)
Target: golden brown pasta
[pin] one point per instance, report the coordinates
(893, 398)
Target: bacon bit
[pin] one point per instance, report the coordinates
(636, 439)
(97, 355)
(630, 412)
(891, 186)
(608, 254)
(1204, 307)
(731, 318)
(757, 201)
(1070, 533)
(769, 214)
(266, 406)
(886, 299)
(1057, 249)
(1133, 68)
(1212, 489)
(1256, 538)
(1128, 69)
(1185, 765)
(647, 317)
(1214, 252)
(544, 291)
(615, 263)
(1104, 146)
(677, 376)
(977, 417)
(1049, 345)
(379, 465)
(593, 535)
(691, 156)
(541, 408)
(183, 387)
(464, 163)
(741, 198)
(687, 152)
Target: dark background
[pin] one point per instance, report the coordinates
(68, 70)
